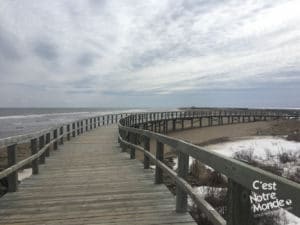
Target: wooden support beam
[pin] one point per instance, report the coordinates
(54, 137)
(183, 169)
(68, 132)
(238, 205)
(159, 156)
(41, 145)
(73, 130)
(61, 132)
(91, 124)
(12, 179)
(146, 141)
(132, 138)
(81, 126)
(34, 150)
(174, 124)
(47, 152)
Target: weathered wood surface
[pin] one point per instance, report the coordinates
(90, 181)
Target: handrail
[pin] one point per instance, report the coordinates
(132, 130)
(24, 162)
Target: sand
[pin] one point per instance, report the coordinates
(216, 134)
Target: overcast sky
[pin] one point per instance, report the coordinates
(160, 53)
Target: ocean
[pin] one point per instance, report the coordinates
(17, 121)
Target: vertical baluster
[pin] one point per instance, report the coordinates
(54, 137)
(181, 196)
(132, 138)
(159, 156)
(61, 132)
(238, 205)
(147, 148)
(73, 130)
(68, 132)
(41, 145)
(34, 150)
(47, 152)
(12, 178)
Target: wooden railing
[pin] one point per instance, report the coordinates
(136, 131)
(41, 141)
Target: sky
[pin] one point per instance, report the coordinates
(156, 53)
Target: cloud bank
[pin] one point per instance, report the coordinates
(150, 53)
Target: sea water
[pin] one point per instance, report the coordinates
(17, 121)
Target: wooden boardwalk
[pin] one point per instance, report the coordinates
(89, 181)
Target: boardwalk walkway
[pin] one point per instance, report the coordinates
(88, 181)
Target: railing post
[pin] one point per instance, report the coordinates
(54, 137)
(81, 126)
(132, 138)
(174, 124)
(147, 148)
(34, 150)
(238, 205)
(95, 123)
(107, 119)
(47, 152)
(73, 130)
(159, 126)
(91, 124)
(183, 169)
(166, 126)
(98, 121)
(61, 132)
(159, 156)
(78, 128)
(123, 135)
(12, 178)
(41, 145)
(68, 132)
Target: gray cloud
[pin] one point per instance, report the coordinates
(45, 50)
(142, 50)
(86, 59)
(8, 50)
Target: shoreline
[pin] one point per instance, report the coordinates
(218, 134)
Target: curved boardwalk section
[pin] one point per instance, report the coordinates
(89, 181)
